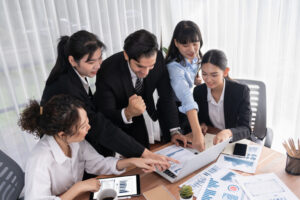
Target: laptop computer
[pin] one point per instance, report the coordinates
(190, 159)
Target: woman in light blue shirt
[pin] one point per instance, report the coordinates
(183, 60)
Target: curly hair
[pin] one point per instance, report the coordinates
(60, 113)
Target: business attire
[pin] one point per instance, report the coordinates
(232, 111)
(104, 136)
(182, 77)
(49, 172)
(114, 86)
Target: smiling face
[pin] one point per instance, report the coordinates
(88, 67)
(189, 50)
(142, 67)
(213, 76)
(82, 127)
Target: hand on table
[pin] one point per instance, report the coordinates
(222, 136)
(199, 142)
(186, 141)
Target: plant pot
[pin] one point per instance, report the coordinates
(191, 198)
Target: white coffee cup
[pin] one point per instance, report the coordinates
(106, 193)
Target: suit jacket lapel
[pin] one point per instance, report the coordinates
(79, 86)
(227, 104)
(126, 79)
(205, 107)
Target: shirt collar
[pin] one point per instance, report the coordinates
(186, 62)
(211, 99)
(58, 154)
(82, 78)
(133, 75)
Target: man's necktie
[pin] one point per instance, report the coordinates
(138, 86)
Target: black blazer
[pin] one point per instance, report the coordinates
(105, 137)
(237, 109)
(114, 87)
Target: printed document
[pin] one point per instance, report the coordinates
(265, 187)
(246, 164)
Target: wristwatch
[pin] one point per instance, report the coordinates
(175, 131)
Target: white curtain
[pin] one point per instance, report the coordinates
(29, 31)
(260, 40)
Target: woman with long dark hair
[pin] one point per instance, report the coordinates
(79, 57)
(183, 59)
(223, 103)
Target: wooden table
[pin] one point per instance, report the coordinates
(270, 161)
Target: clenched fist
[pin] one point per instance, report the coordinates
(136, 106)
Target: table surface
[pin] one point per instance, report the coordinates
(270, 161)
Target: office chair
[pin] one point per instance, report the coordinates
(11, 178)
(261, 133)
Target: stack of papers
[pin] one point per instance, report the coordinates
(245, 164)
(215, 182)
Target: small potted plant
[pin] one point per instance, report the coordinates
(186, 192)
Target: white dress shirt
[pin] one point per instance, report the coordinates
(133, 79)
(216, 109)
(49, 172)
(152, 127)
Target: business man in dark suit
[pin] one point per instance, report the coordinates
(125, 85)
(79, 57)
(237, 110)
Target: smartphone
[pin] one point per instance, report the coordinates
(124, 185)
(240, 149)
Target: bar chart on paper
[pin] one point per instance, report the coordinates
(216, 188)
(210, 191)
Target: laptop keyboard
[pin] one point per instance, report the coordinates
(169, 173)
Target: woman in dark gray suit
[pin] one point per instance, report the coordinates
(223, 103)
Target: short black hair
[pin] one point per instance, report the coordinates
(139, 44)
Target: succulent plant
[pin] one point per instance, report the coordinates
(186, 191)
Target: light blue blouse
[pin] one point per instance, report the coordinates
(182, 76)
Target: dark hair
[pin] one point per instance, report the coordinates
(185, 32)
(60, 113)
(217, 58)
(78, 45)
(140, 43)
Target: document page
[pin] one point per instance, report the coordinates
(247, 164)
(265, 187)
(214, 173)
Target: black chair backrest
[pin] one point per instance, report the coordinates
(258, 106)
(11, 178)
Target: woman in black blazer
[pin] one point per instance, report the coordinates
(223, 103)
(79, 57)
